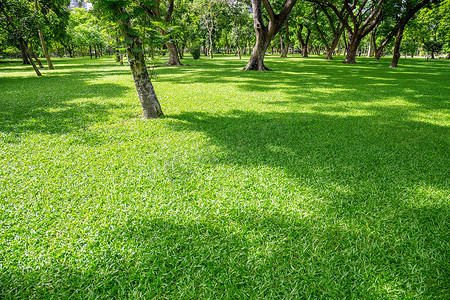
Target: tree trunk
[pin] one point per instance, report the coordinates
(146, 93)
(44, 48)
(35, 57)
(303, 42)
(283, 47)
(174, 59)
(23, 50)
(265, 34)
(398, 40)
(256, 61)
(210, 44)
(352, 48)
(28, 56)
(180, 50)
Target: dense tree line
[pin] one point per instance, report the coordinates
(147, 29)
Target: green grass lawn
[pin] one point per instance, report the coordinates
(318, 180)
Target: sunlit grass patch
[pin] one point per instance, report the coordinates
(316, 180)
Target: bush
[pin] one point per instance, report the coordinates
(195, 51)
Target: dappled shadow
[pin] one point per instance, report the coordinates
(369, 172)
(60, 102)
(315, 81)
(366, 219)
(265, 255)
(331, 149)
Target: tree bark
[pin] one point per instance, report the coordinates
(256, 61)
(35, 57)
(353, 42)
(265, 34)
(27, 54)
(304, 42)
(398, 40)
(174, 59)
(285, 46)
(360, 26)
(44, 48)
(23, 50)
(146, 93)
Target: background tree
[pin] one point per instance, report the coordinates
(328, 27)
(358, 17)
(122, 12)
(265, 33)
(17, 21)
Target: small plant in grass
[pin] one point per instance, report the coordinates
(195, 51)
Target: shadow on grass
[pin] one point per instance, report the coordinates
(386, 181)
(316, 81)
(65, 101)
(378, 226)
(278, 256)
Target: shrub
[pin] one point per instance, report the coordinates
(195, 51)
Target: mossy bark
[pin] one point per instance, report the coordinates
(146, 93)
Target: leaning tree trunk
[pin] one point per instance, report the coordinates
(146, 93)
(35, 57)
(44, 47)
(23, 50)
(396, 53)
(28, 56)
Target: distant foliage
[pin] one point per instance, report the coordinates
(195, 51)
(433, 47)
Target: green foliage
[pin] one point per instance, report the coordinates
(433, 46)
(292, 184)
(195, 51)
(409, 48)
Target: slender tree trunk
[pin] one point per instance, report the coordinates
(23, 50)
(210, 44)
(285, 46)
(44, 48)
(180, 50)
(27, 54)
(35, 57)
(398, 40)
(146, 93)
(117, 51)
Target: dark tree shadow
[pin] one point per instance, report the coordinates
(378, 220)
(51, 104)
